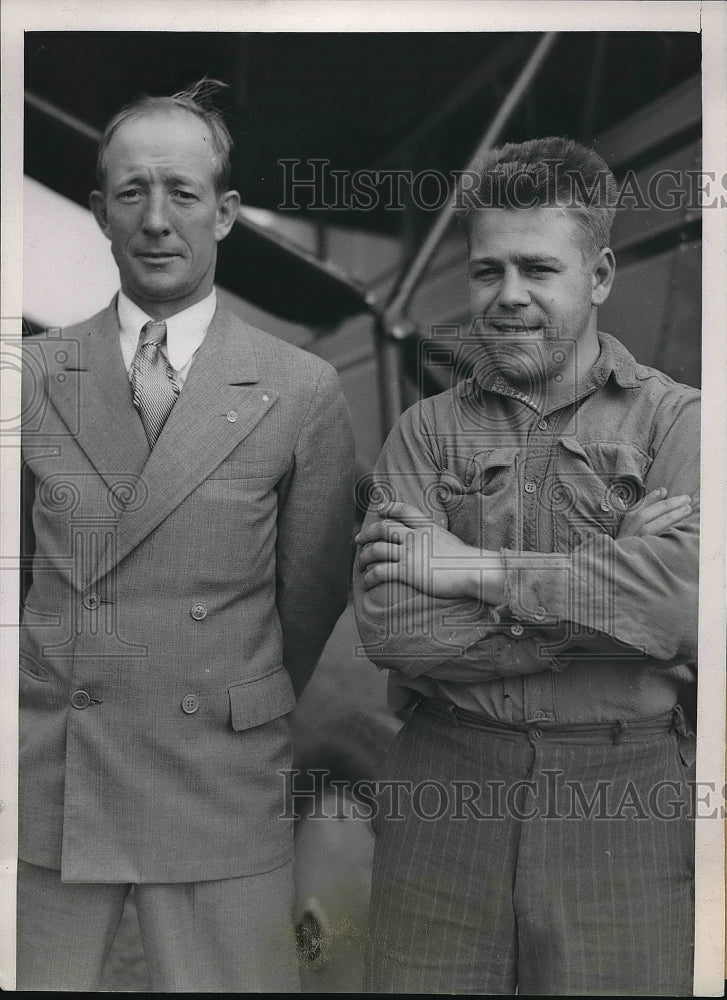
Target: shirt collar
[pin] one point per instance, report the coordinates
(614, 360)
(185, 330)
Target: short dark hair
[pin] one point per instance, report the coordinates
(197, 100)
(549, 172)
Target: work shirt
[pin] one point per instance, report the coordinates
(593, 628)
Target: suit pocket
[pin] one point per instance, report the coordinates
(33, 668)
(261, 700)
(254, 468)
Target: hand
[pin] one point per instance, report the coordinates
(407, 546)
(654, 515)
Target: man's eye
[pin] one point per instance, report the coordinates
(539, 269)
(485, 273)
(184, 195)
(130, 194)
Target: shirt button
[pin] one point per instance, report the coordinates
(536, 733)
(539, 614)
(543, 425)
(605, 505)
(91, 601)
(232, 416)
(530, 487)
(190, 704)
(198, 612)
(266, 398)
(80, 699)
(516, 629)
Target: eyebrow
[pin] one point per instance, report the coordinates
(139, 177)
(181, 179)
(520, 259)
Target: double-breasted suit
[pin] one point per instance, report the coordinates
(180, 599)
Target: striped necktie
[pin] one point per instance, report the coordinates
(152, 380)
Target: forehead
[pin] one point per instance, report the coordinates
(504, 232)
(174, 141)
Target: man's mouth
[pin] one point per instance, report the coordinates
(513, 326)
(157, 256)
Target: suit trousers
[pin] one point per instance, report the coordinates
(228, 935)
(550, 863)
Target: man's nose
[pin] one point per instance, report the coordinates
(156, 218)
(513, 290)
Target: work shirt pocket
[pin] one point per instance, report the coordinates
(592, 487)
(480, 498)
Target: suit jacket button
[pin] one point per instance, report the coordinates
(190, 704)
(80, 699)
(517, 629)
(198, 612)
(231, 416)
(91, 601)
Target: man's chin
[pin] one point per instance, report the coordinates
(162, 287)
(518, 363)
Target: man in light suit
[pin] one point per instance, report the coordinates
(191, 510)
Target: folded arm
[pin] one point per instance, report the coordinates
(632, 594)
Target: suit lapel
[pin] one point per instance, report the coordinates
(218, 406)
(90, 390)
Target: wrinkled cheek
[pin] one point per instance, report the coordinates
(479, 301)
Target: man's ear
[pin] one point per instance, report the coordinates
(97, 201)
(228, 205)
(604, 271)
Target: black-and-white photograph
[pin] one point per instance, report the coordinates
(355, 635)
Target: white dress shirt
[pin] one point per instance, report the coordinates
(185, 332)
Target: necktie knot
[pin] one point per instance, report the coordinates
(153, 333)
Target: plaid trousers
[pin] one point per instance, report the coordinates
(545, 861)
